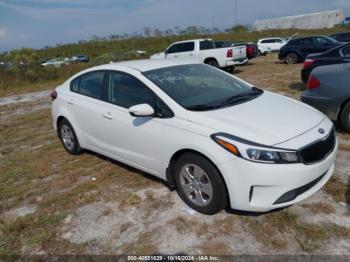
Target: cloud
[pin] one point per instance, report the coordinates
(3, 32)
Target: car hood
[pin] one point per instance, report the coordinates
(269, 119)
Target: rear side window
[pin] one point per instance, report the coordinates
(321, 41)
(89, 84)
(204, 45)
(127, 91)
(302, 41)
(268, 41)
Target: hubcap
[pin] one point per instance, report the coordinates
(196, 184)
(291, 59)
(67, 137)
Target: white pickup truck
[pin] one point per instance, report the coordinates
(204, 51)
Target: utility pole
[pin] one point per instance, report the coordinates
(235, 12)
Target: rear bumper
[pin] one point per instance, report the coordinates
(328, 106)
(261, 187)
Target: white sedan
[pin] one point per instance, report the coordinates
(218, 140)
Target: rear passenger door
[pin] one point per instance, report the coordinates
(86, 107)
(184, 50)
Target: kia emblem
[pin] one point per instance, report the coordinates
(321, 131)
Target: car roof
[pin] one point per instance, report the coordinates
(145, 64)
(269, 38)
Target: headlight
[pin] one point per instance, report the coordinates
(255, 152)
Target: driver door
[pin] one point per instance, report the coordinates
(138, 141)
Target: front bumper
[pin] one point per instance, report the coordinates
(258, 187)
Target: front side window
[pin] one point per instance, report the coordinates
(127, 91)
(200, 87)
(89, 84)
(174, 49)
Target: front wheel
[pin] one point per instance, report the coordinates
(345, 117)
(199, 184)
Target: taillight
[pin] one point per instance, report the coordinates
(53, 95)
(250, 50)
(230, 53)
(308, 62)
(313, 82)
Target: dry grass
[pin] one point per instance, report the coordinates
(337, 189)
(320, 208)
(344, 147)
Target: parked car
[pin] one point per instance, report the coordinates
(204, 51)
(53, 62)
(328, 91)
(296, 50)
(252, 48)
(80, 58)
(274, 43)
(342, 37)
(337, 55)
(218, 140)
(263, 51)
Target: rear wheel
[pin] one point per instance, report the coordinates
(68, 138)
(291, 58)
(345, 117)
(212, 62)
(199, 184)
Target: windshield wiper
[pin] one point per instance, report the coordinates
(201, 107)
(243, 96)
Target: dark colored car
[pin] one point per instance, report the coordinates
(296, 50)
(342, 37)
(337, 55)
(252, 48)
(328, 91)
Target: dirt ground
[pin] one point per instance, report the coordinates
(55, 203)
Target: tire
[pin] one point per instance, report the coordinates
(258, 53)
(230, 69)
(345, 117)
(212, 62)
(68, 138)
(291, 58)
(199, 184)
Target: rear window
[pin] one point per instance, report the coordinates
(204, 45)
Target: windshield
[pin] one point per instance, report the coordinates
(201, 87)
(331, 39)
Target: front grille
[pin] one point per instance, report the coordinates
(319, 150)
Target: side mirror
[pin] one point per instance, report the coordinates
(141, 110)
(166, 51)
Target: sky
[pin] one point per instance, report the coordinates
(38, 23)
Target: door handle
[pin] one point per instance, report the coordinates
(70, 103)
(175, 56)
(191, 54)
(107, 116)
